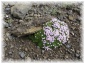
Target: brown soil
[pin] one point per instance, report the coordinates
(21, 48)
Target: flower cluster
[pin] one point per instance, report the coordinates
(53, 34)
(56, 31)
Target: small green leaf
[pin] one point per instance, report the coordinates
(49, 24)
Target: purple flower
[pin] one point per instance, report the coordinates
(47, 27)
(64, 28)
(47, 30)
(56, 25)
(60, 31)
(56, 33)
(50, 38)
(60, 37)
(51, 33)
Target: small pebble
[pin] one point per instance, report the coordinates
(78, 56)
(6, 16)
(44, 57)
(6, 39)
(70, 17)
(78, 51)
(5, 48)
(20, 48)
(28, 59)
(66, 56)
(21, 21)
(7, 8)
(22, 54)
(10, 52)
(11, 46)
(73, 50)
(9, 36)
(73, 28)
(68, 46)
(6, 25)
(26, 49)
(72, 33)
(43, 51)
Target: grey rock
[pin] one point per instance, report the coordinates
(26, 49)
(69, 12)
(19, 10)
(6, 39)
(44, 57)
(72, 33)
(7, 16)
(5, 48)
(24, 30)
(68, 46)
(9, 36)
(70, 17)
(77, 55)
(42, 51)
(78, 51)
(73, 50)
(28, 58)
(8, 9)
(10, 52)
(31, 23)
(22, 54)
(11, 46)
(73, 28)
(6, 25)
(66, 56)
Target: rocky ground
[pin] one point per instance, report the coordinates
(19, 24)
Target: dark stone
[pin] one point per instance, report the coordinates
(8, 9)
(77, 55)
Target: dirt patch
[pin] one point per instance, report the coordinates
(21, 48)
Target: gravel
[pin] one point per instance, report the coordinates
(23, 48)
